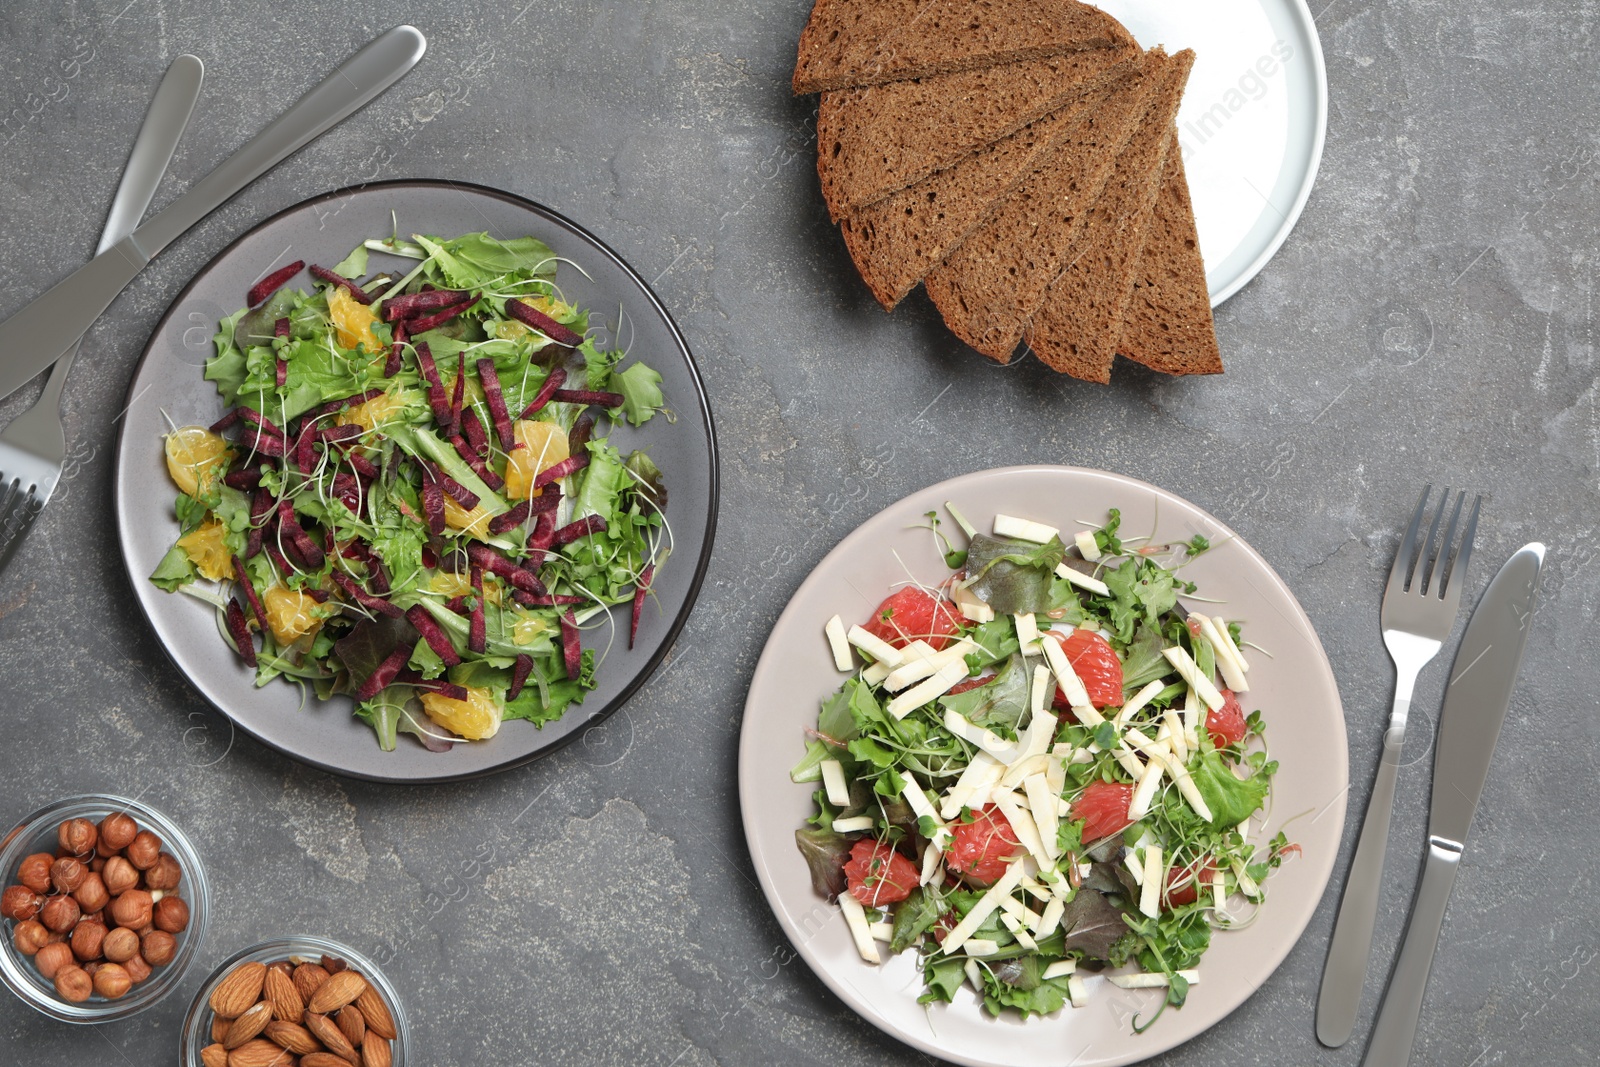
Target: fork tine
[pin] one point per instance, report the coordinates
(15, 521)
(1400, 571)
(1458, 569)
(1436, 573)
(1426, 557)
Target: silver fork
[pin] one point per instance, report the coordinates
(1419, 609)
(33, 448)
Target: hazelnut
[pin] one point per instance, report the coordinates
(120, 945)
(171, 915)
(112, 981)
(166, 874)
(131, 909)
(91, 893)
(137, 968)
(119, 876)
(74, 984)
(77, 837)
(117, 831)
(52, 958)
(143, 850)
(35, 872)
(332, 964)
(67, 874)
(30, 936)
(307, 977)
(158, 947)
(19, 902)
(97, 864)
(94, 916)
(87, 941)
(60, 913)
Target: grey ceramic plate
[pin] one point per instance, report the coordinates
(168, 382)
(1293, 687)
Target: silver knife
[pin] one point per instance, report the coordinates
(158, 138)
(31, 339)
(1475, 705)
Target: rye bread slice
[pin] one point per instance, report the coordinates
(1168, 325)
(874, 141)
(899, 239)
(987, 288)
(842, 36)
(1077, 324)
(871, 42)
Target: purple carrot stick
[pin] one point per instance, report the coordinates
(272, 283)
(477, 636)
(490, 380)
(571, 649)
(256, 607)
(323, 274)
(519, 675)
(588, 396)
(557, 377)
(641, 590)
(437, 639)
(552, 329)
(239, 628)
(589, 524)
(385, 674)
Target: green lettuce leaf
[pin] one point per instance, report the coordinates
(640, 386)
(1013, 577)
(1231, 799)
(1000, 705)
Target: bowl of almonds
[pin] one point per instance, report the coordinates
(104, 908)
(303, 1001)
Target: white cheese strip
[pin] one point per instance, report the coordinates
(1023, 826)
(1140, 699)
(1043, 803)
(1145, 980)
(1088, 548)
(874, 646)
(1227, 639)
(841, 647)
(1219, 889)
(1019, 771)
(833, 781)
(1179, 737)
(974, 975)
(1037, 890)
(980, 947)
(1191, 718)
(931, 689)
(1232, 673)
(984, 907)
(982, 772)
(1018, 931)
(1059, 969)
(1027, 629)
(1186, 667)
(1145, 792)
(1040, 732)
(930, 863)
(1186, 787)
(1247, 884)
(1071, 684)
(855, 916)
(881, 931)
(1155, 876)
(976, 611)
(1055, 774)
(1129, 762)
(917, 797)
(875, 674)
(1135, 868)
(1024, 529)
(1050, 919)
(913, 666)
(1040, 691)
(1077, 992)
(1014, 908)
(1082, 581)
(988, 741)
(1244, 828)
(851, 825)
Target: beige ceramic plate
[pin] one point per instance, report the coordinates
(1294, 688)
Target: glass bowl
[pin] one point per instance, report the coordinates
(37, 833)
(197, 1025)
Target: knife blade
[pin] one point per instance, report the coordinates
(31, 339)
(1476, 700)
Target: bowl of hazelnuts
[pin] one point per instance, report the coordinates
(104, 908)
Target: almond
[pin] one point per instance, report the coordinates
(376, 1013)
(340, 989)
(219, 1029)
(323, 1059)
(240, 989)
(375, 1051)
(327, 1031)
(214, 1056)
(352, 1024)
(292, 1036)
(258, 1053)
(307, 977)
(287, 1003)
(248, 1025)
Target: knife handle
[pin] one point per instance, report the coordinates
(1396, 1029)
(357, 80)
(1345, 972)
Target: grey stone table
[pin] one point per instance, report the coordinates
(1432, 317)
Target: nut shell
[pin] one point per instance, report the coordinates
(144, 850)
(340, 989)
(52, 958)
(171, 914)
(30, 936)
(120, 945)
(73, 984)
(60, 914)
(137, 968)
(287, 1003)
(112, 980)
(165, 875)
(20, 903)
(248, 1025)
(78, 837)
(91, 893)
(88, 940)
(158, 947)
(376, 1013)
(119, 875)
(67, 874)
(238, 991)
(117, 831)
(132, 909)
(34, 872)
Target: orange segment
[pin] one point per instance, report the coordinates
(541, 445)
(290, 614)
(196, 458)
(208, 551)
(474, 718)
(352, 320)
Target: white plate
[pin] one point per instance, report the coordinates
(1251, 125)
(1294, 688)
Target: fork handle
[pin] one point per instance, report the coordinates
(1345, 972)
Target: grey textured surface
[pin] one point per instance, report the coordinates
(1431, 317)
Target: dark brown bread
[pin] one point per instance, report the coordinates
(988, 287)
(874, 141)
(899, 239)
(871, 42)
(1168, 325)
(841, 37)
(1076, 326)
